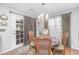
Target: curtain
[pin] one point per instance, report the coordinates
(39, 27)
(66, 19)
(29, 25)
(55, 27)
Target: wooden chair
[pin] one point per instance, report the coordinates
(43, 46)
(61, 47)
(31, 39)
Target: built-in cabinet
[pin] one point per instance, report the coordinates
(17, 31)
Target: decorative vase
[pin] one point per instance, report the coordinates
(46, 32)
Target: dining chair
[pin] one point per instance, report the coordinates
(43, 46)
(61, 47)
(31, 39)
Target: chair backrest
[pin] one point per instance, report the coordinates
(31, 35)
(64, 38)
(43, 46)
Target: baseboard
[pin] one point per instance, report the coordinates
(75, 48)
(7, 51)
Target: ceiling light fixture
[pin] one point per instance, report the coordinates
(44, 17)
(31, 10)
(43, 3)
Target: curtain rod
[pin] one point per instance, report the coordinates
(63, 12)
(19, 14)
(15, 13)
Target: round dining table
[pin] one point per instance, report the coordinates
(55, 41)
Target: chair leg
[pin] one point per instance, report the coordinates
(30, 47)
(64, 52)
(59, 52)
(35, 50)
(55, 52)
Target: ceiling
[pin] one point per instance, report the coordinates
(34, 9)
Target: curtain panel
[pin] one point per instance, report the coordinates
(66, 26)
(29, 25)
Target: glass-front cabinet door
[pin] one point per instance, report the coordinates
(19, 31)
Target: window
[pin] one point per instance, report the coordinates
(55, 26)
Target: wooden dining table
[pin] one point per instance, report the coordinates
(54, 40)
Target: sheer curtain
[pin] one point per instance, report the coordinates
(55, 27)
